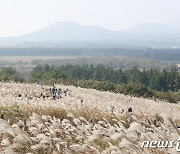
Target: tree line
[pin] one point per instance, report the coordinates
(152, 78)
(136, 82)
(165, 54)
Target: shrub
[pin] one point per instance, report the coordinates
(170, 97)
(98, 85)
(8, 74)
(134, 89)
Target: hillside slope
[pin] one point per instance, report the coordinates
(91, 99)
(84, 121)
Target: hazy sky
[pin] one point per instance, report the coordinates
(18, 17)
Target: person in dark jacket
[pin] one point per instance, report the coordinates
(54, 90)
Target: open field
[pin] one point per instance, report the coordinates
(84, 121)
(25, 64)
(30, 58)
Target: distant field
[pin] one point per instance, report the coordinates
(24, 64)
(168, 54)
(30, 58)
(111, 61)
(110, 57)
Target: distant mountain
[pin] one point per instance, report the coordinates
(175, 24)
(71, 31)
(152, 28)
(72, 35)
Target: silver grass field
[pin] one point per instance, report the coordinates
(85, 121)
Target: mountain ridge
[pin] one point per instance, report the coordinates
(158, 28)
(148, 35)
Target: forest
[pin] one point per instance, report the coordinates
(136, 82)
(153, 79)
(164, 54)
(149, 83)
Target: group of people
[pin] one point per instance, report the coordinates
(57, 93)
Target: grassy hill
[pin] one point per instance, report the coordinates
(84, 121)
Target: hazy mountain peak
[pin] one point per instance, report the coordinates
(175, 24)
(148, 34)
(154, 28)
(70, 31)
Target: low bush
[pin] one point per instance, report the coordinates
(170, 97)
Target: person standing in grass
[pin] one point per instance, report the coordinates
(59, 93)
(130, 114)
(54, 90)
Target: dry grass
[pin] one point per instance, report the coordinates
(100, 131)
(101, 144)
(91, 115)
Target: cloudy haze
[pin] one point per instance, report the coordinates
(18, 17)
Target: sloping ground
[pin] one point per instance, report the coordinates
(91, 99)
(84, 121)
